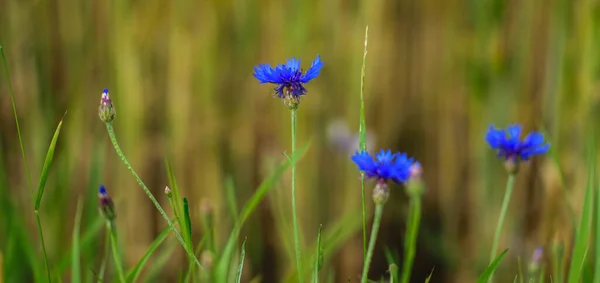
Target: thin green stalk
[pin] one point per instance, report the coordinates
(105, 257)
(508, 192)
(39, 225)
(362, 144)
(113, 138)
(110, 226)
(294, 216)
(376, 221)
(14, 107)
(410, 242)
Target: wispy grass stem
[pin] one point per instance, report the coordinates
(374, 231)
(110, 226)
(294, 215)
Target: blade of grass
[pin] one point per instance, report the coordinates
(318, 256)
(391, 260)
(188, 238)
(134, 273)
(491, 268)
(89, 237)
(27, 173)
(363, 143)
(241, 264)
(159, 263)
(231, 202)
(224, 259)
(429, 277)
(582, 239)
(100, 276)
(597, 239)
(47, 163)
(76, 266)
(520, 266)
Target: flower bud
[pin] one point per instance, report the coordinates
(106, 110)
(414, 186)
(106, 205)
(381, 192)
(168, 192)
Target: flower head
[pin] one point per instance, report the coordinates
(106, 110)
(387, 166)
(511, 147)
(288, 78)
(106, 205)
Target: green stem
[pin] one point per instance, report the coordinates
(364, 214)
(410, 240)
(294, 216)
(105, 257)
(376, 221)
(110, 226)
(113, 138)
(508, 192)
(39, 225)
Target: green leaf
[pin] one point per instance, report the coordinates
(318, 256)
(188, 221)
(223, 261)
(46, 168)
(585, 225)
(134, 273)
(241, 264)
(490, 269)
(75, 263)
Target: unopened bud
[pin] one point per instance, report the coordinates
(168, 192)
(106, 205)
(106, 110)
(381, 192)
(414, 186)
(536, 260)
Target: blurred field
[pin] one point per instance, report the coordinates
(180, 75)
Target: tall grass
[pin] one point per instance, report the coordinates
(438, 73)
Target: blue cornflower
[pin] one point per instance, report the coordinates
(507, 142)
(396, 167)
(288, 77)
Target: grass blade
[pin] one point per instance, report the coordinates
(318, 256)
(585, 225)
(491, 268)
(47, 163)
(429, 277)
(75, 263)
(362, 143)
(134, 273)
(223, 261)
(14, 107)
(391, 261)
(241, 265)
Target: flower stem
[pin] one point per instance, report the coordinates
(39, 225)
(508, 192)
(376, 221)
(113, 138)
(294, 216)
(410, 240)
(110, 226)
(364, 214)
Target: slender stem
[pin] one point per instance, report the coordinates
(364, 214)
(410, 240)
(113, 138)
(105, 256)
(14, 107)
(110, 226)
(294, 217)
(376, 221)
(508, 192)
(39, 225)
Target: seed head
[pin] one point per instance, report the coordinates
(381, 192)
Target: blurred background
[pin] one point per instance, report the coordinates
(438, 74)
